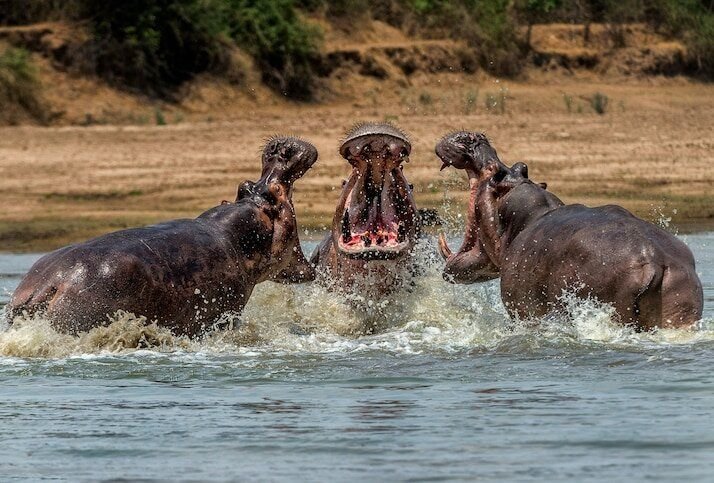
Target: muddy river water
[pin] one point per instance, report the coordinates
(436, 383)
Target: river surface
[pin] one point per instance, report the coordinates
(436, 384)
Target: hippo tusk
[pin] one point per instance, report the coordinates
(346, 232)
(444, 165)
(444, 247)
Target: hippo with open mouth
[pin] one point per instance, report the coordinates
(541, 247)
(374, 229)
(184, 274)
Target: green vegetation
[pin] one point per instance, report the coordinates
(18, 83)
(599, 102)
(489, 27)
(153, 46)
(693, 21)
(568, 100)
(470, 101)
(159, 116)
(425, 99)
(283, 45)
(496, 102)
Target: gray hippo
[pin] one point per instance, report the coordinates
(375, 225)
(540, 247)
(185, 274)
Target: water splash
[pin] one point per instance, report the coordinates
(428, 315)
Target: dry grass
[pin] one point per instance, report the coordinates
(69, 183)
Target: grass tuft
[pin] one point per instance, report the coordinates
(159, 117)
(599, 102)
(19, 84)
(470, 102)
(568, 100)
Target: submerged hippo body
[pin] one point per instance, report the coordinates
(374, 229)
(185, 274)
(542, 248)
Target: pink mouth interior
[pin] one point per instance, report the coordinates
(379, 238)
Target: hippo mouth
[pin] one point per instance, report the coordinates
(382, 241)
(375, 219)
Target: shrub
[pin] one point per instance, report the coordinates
(599, 102)
(19, 84)
(284, 47)
(693, 21)
(337, 8)
(568, 100)
(425, 99)
(470, 101)
(154, 45)
(487, 26)
(21, 12)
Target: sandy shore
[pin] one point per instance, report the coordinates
(652, 152)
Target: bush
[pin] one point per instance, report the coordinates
(599, 102)
(337, 8)
(153, 46)
(693, 21)
(19, 85)
(21, 12)
(284, 47)
(487, 26)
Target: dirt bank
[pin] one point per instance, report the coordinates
(651, 151)
(114, 159)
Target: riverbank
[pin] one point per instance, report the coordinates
(651, 151)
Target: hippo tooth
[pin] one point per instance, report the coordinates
(401, 232)
(346, 232)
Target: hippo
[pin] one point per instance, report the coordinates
(187, 274)
(374, 229)
(541, 248)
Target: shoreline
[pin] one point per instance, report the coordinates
(651, 152)
(22, 239)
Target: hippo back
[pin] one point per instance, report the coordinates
(164, 272)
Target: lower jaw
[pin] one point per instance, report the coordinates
(374, 253)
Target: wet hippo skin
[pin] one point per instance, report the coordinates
(185, 274)
(375, 226)
(542, 248)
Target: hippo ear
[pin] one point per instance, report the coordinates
(245, 190)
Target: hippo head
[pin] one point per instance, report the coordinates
(285, 159)
(376, 215)
(466, 150)
(489, 179)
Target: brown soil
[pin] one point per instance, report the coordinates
(651, 151)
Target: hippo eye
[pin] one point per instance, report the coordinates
(355, 150)
(499, 176)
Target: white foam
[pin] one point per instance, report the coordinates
(428, 315)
